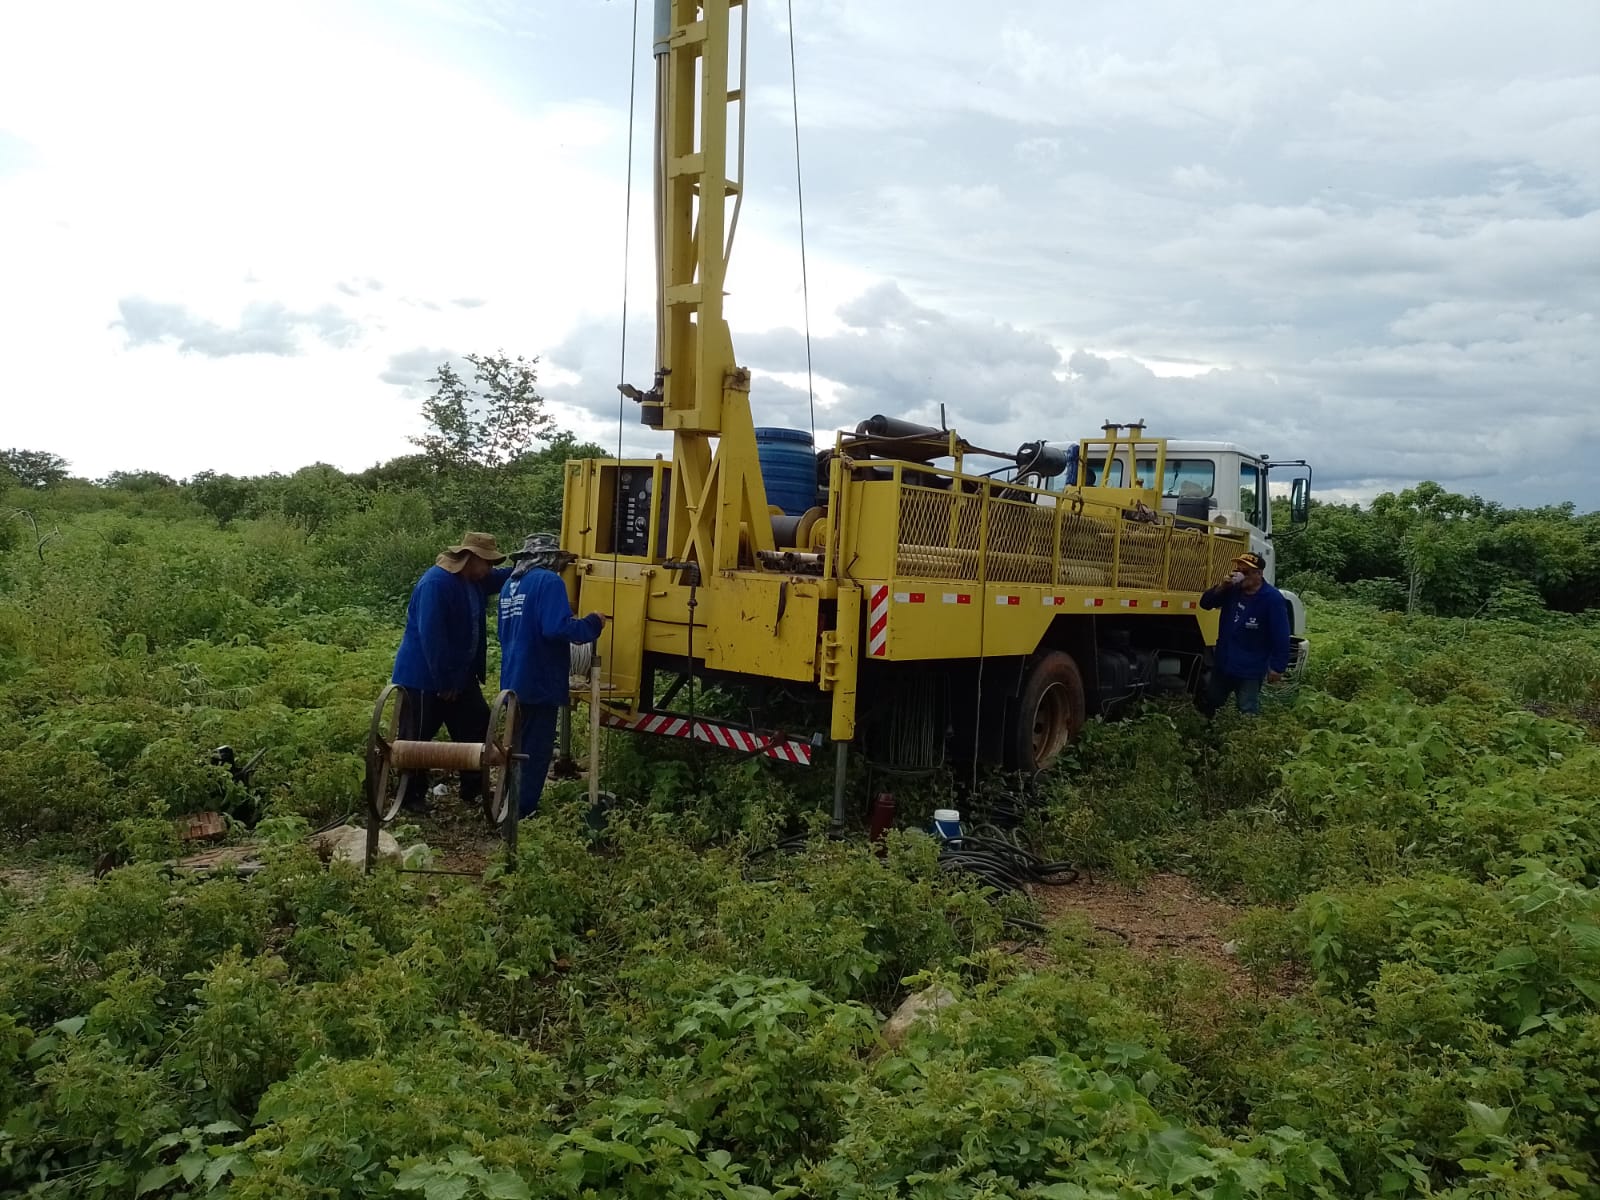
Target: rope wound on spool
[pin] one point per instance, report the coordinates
(391, 759)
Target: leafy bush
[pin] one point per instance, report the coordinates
(676, 1009)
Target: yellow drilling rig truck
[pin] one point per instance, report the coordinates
(913, 595)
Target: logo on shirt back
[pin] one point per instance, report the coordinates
(511, 600)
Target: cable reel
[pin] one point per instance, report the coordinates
(391, 760)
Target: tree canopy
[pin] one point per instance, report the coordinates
(32, 468)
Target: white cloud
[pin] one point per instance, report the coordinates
(1328, 230)
(264, 327)
(1198, 177)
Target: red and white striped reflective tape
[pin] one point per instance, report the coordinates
(667, 726)
(957, 598)
(1099, 602)
(727, 737)
(1052, 601)
(1004, 601)
(878, 621)
(910, 597)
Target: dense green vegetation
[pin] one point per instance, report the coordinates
(1429, 550)
(1413, 836)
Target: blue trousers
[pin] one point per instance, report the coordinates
(539, 744)
(1247, 693)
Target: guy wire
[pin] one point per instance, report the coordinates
(800, 197)
(622, 366)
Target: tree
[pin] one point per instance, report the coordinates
(543, 476)
(315, 495)
(489, 424)
(1437, 532)
(1340, 541)
(32, 468)
(136, 481)
(409, 472)
(223, 496)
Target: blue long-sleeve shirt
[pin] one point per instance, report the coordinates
(446, 643)
(1253, 633)
(536, 627)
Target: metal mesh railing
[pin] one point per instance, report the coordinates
(1022, 542)
(980, 530)
(1189, 559)
(940, 533)
(1088, 549)
(1140, 555)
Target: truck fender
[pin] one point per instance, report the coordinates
(1300, 646)
(1297, 614)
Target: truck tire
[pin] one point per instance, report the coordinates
(1049, 712)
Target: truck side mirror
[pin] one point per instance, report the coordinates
(1300, 501)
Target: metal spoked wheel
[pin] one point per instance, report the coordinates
(500, 765)
(1049, 712)
(386, 784)
(1052, 727)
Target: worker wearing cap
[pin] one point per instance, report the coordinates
(443, 654)
(1252, 636)
(537, 626)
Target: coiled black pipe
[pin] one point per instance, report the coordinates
(1003, 865)
(995, 861)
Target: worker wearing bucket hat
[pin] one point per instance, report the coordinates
(443, 654)
(536, 627)
(1252, 636)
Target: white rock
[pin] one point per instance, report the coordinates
(348, 843)
(919, 1006)
(1230, 948)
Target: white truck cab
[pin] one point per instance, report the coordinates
(1232, 483)
(1224, 484)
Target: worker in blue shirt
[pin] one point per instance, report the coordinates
(1252, 637)
(443, 654)
(536, 628)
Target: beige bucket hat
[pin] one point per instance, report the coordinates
(480, 544)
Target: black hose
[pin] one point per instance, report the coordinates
(996, 862)
(1002, 864)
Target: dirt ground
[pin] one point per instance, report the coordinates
(460, 838)
(1165, 915)
(26, 882)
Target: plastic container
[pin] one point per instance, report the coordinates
(947, 824)
(882, 817)
(788, 468)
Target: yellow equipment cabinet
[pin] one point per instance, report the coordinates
(922, 607)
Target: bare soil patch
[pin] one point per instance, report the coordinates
(459, 836)
(1165, 915)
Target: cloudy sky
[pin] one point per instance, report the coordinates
(242, 235)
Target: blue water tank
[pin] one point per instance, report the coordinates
(788, 468)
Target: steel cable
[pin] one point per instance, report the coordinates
(800, 199)
(602, 755)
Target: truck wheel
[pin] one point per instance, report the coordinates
(1049, 712)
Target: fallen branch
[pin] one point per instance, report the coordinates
(38, 542)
